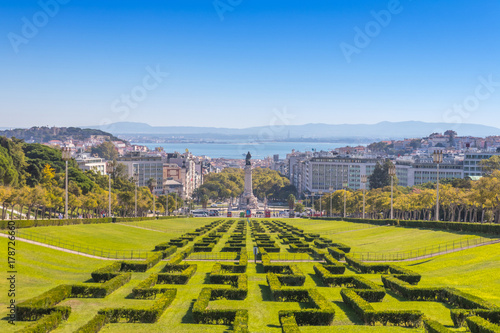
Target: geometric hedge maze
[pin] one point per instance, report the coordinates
(285, 281)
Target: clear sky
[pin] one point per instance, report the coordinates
(237, 63)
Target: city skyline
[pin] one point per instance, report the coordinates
(76, 63)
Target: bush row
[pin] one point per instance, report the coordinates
(432, 326)
(477, 324)
(284, 294)
(364, 288)
(48, 322)
(458, 315)
(147, 315)
(336, 253)
(219, 316)
(57, 222)
(450, 296)
(365, 267)
(288, 323)
(409, 318)
(143, 265)
(94, 325)
(107, 272)
(43, 304)
(101, 291)
(177, 277)
(181, 256)
(487, 228)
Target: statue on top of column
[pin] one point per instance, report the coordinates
(249, 156)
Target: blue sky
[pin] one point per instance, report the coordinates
(86, 62)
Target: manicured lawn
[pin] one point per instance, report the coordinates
(108, 236)
(384, 238)
(40, 269)
(476, 271)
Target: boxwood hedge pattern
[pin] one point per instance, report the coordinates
(47, 315)
(479, 315)
(285, 282)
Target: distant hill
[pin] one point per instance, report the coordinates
(382, 130)
(45, 134)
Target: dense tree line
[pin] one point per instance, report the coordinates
(461, 200)
(229, 183)
(32, 183)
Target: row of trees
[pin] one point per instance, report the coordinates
(32, 186)
(460, 200)
(229, 183)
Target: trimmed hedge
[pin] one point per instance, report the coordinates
(94, 325)
(36, 307)
(288, 323)
(450, 296)
(107, 272)
(477, 324)
(177, 274)
(181, 256)
(409, 318)
(48, 322)
(147, 315)
(281, 294)
(239, 318)
(486, 228)
(364, 267)
(432, 326)
(141, 266)
(101, 291)
(58, 222)
(411, 292)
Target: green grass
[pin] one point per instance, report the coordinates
(38, 270)
(107, 235)
(476, 271)
(381, 239)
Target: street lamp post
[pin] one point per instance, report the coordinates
(109, 169)
(437, 157)
(331, 200)
(66, 156)
(344, 185)
(153, 185)
(320, 193)
(392, 172)
(136, 180)
(364, 179)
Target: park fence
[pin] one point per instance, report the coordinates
(425, 252)
(85, 249)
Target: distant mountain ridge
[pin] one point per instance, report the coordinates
(382, 130)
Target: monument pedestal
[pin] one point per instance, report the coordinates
(247, 199)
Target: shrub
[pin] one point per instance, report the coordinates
(178, 277)
(107, 272)
(48, 322)
(477, 324)
(101, 291)
(141, 266)
(94, 325)
(463, 300)
(432, 326)
(288, 322)
(43, 304)
(148, 315)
